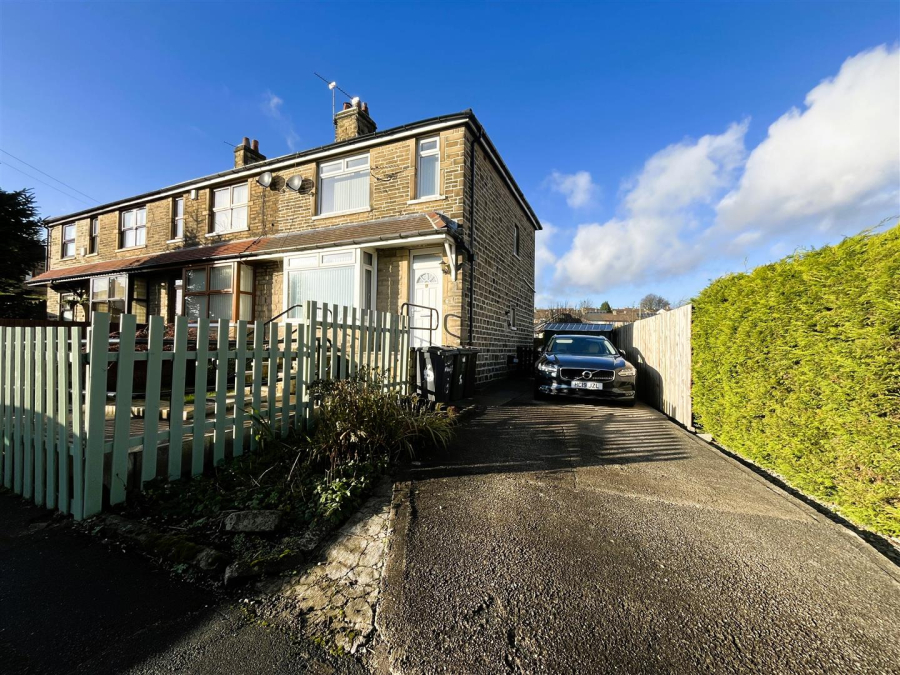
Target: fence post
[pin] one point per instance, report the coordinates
(98, 361)
(77, 447)
(176, 399)
(40, 393)
(221, 390)
(258, 336)
(62, 418)
(50, 432)
(287, 367)
(151, 400)
(240, 388)
(199, 427)
(6, 407)
(122, 425)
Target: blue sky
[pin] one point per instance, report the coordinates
(639, 132)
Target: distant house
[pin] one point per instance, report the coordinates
(424, 218)
(618, 317)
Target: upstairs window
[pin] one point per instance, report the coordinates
(230, 209)
(178, 218)
(516, 240)
(67, 248)
(133, 228)
(344, 185)
(94, 239)
(428, 168)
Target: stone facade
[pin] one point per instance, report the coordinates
(503, 281)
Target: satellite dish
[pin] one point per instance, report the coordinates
(265, 180)
(295, 183)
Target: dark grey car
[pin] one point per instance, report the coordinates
(582, 365)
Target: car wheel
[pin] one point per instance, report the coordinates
(629, 404)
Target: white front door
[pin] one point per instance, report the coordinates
(426, 281)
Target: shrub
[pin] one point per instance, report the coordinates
(359, 420)
(796, 366)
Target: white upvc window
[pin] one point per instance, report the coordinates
(230, 208)
(67, 248)
(345, 278)
(428, 165)
(344, 185)
(178, 218)
(133, 228)
(516, 240)
(512, 317)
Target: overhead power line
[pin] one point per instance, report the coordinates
(46, 174)
(47, 184)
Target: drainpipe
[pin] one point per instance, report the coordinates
(472, 242)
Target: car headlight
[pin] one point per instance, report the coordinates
(627, 371)
(548, 368)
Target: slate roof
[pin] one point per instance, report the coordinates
(387, 229)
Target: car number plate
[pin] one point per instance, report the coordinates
(587, 385)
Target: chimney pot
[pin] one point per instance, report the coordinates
(246, 142)
(347, 105)
(255, 145)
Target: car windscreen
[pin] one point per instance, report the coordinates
(581, 346)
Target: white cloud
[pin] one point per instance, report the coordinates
(647, 241)
(687, 172)
(272, 107)
(273, 104)
(578, 187)
(840, 154)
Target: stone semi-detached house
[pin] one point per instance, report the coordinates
(426, 213)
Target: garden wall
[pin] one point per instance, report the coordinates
(796, 366)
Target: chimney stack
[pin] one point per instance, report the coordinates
(247, 153)
(353, 121)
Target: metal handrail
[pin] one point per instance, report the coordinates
(278, 316)
(407, 305)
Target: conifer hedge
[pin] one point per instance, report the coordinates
(796, 366)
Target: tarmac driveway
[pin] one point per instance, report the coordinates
(579, 537)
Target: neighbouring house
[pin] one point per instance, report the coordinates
(426, 213)
(619, 317)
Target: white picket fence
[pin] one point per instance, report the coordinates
(70, 441)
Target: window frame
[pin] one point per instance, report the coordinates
(64, 243)
(512, 316)
(134, 228)
(174, 234)
(343, 171)
(516, 240)
(94, 236)
(358, 264)
(235, 290)
(437, 172)
(232, 205)
(124, 282)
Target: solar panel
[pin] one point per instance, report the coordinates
(579, 327)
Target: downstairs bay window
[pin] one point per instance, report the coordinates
(223, 291)
(344, 278)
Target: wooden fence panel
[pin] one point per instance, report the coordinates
(54, 395)
(660, 348)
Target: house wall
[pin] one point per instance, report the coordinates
(278, 209)
(502, 280)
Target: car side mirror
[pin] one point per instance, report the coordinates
(622, 352)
